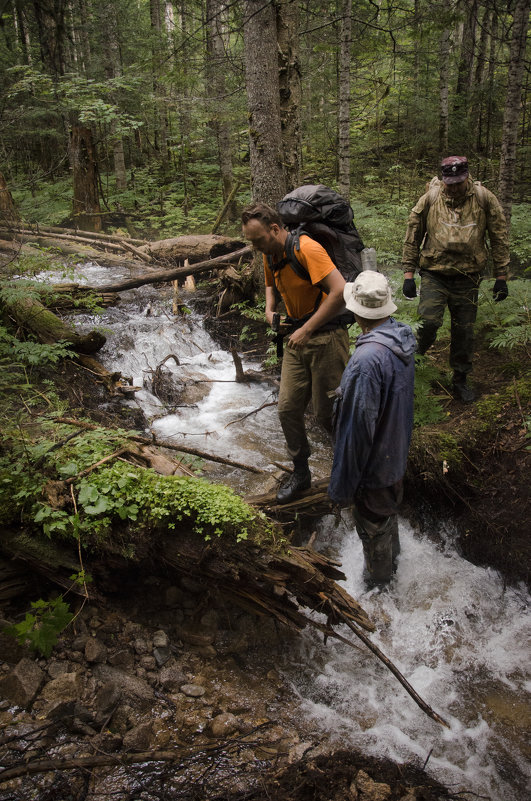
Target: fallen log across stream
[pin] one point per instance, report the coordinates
(172, 274)
(263, 574)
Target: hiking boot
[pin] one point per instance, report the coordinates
(294, 484)
(461, 390)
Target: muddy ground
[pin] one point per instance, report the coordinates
(160, 662)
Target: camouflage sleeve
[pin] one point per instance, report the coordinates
(498, 236)
(416, 228)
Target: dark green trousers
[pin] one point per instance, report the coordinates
(460, 294)
(310, 373)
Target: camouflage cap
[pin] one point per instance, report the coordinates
(454, 169)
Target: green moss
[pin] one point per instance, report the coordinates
(489, 409)
(449, 449)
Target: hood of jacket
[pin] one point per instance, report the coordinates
(398, 337)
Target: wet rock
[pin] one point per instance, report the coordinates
(79, 643)
(224, 725)
(163, 734)
(192, 690)
(206, 651)
(147, 662)
(138, 738)
(160, 639)
(141, 646)
(22, 684)
(297, 752)
(172, 679)
(161, 655)
(107, 697)
(77, 656)
(108, 741)
(195, 635)
(10, 649)
(132, 687)
(122, 659)
(353, 792)
(57, 668)
(67, 687)
(369, 790)
(95, 650)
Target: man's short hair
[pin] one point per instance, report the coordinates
(262, 212)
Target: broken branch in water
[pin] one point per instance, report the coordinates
(254, 411)
(383, 658)
(172, 446)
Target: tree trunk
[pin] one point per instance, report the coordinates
(113, 69)
(262, 84)
(158, 50)
(50, 17)
(23, 32)
(217, 45)
(462, 117)
(478, 106)
(344, 101)
(466, 61)
(8, 214)
(290, 89)
(83, 14)
(491, 102)
(513, 105)
(444, 73)
(86, 207)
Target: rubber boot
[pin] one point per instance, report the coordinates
(295, 483)
(461, 390)
(380, 544)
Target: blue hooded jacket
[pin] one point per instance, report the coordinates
(375, 412)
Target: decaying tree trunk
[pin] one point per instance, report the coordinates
(192, 247)
(31, 315)
(86, 207)
(8, 214)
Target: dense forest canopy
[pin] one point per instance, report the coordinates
(159, 96)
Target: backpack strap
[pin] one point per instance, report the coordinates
(292, 243)
(434, 187)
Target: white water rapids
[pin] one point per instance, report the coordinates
(459, 637)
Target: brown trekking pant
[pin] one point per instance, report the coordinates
(310, 373)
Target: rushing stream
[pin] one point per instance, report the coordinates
(458, 636)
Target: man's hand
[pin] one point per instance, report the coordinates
(409, 288)
(500, 290)
(299, 338)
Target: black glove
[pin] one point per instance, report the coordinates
(409, 288)
(500, 290)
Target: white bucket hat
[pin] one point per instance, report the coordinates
(369, 296)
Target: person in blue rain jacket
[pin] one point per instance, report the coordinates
(373, 424)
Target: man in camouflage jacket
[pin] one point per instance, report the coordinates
(445, 238)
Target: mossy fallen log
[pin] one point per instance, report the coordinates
(30, 314)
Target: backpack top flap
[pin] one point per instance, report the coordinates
(313, 203)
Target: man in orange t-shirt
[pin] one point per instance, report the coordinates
(318, 347)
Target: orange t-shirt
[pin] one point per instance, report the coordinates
(298, 294)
